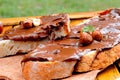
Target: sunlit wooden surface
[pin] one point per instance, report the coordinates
(110, 73)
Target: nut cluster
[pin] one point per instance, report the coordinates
(29, 23)
(1, 27)
(87, 38)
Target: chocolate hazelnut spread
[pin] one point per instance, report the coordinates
(48, 25)
(53, 52)
(109, 27)
(67, 42)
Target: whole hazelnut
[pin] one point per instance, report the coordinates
(27, 24)
(97, 35)
(1, 27)
(85, 38)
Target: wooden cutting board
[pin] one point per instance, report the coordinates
(110, 73)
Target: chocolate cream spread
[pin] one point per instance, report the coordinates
(67, 42)
(108, 24)
(49, 23)
(53, 52)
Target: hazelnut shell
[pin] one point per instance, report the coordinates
(85, 38)
(27, 24)
(97, 35)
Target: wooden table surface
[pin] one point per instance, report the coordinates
(110, 73)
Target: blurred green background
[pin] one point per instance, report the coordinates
(18, 8)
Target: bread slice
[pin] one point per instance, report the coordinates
(10, 47)
(108, 23)
(98, 61)
(35, 70)
(50, 61)
(51, 26)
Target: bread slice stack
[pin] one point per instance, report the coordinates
(48, 61)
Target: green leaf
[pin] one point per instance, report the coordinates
(88, 29)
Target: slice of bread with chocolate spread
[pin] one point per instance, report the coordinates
(34, 31)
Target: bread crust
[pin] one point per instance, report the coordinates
(98, 61)
(36, 70)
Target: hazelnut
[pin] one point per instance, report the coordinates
(97, 35)
(1, 27)
(27, 24)
(85, 38)
(36, 22)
